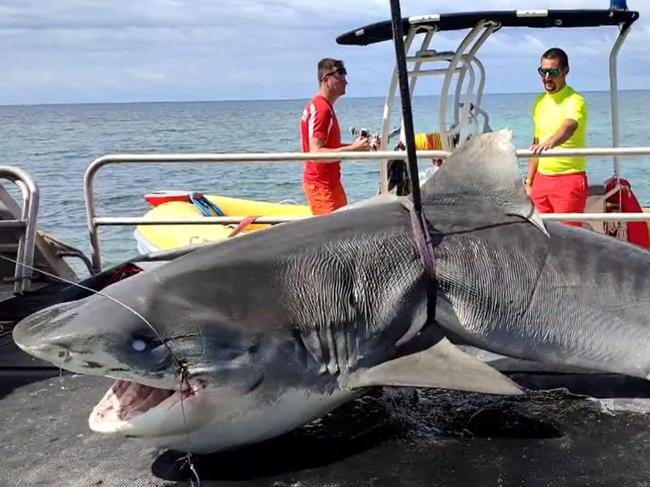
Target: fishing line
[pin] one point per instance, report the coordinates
(181, 366)
(115, 300)
(188, 455)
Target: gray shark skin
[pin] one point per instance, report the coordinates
(246, 339)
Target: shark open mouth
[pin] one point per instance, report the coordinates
(126, 400)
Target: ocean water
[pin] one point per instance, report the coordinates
(56, 143)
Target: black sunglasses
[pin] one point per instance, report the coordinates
(339, 71)
(552, 72)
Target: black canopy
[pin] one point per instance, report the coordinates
(382, 31)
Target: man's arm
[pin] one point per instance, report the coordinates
(318, 145)
(561, 135)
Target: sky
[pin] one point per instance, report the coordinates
(78, 51)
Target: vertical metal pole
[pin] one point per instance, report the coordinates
(21, 251)
(418, 64)
(444, 92)
(467, 60)
(407, 113)
(28, 215)
(91, 214)
(613, 92)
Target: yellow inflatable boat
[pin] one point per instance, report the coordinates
(154, 238)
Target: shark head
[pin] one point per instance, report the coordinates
(186, 376)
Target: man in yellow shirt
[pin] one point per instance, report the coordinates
(558, 184)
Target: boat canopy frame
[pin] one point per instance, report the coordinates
(463, 64)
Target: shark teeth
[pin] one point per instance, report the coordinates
(126, 400)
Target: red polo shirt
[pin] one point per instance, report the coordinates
(319, 120)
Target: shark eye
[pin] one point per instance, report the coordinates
(139, 345)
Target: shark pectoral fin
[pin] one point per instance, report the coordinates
(443, 366)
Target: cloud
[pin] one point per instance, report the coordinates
(92, 50)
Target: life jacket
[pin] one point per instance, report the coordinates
(624, 201)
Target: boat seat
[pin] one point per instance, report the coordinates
(596, 203)
(597, 190)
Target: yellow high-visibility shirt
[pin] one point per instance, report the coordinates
(549, 111)
(428, 141)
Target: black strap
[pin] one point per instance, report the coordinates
(424, 244)
(422, 238)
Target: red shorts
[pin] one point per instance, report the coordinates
(562, 193)
(324, 199)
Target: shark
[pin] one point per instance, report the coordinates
(240, 341)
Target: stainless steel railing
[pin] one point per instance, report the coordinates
(25, 225)
(94, 221)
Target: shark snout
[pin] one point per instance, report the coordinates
(41, 331)
(52, 335)
(97, 337)
(56, 335)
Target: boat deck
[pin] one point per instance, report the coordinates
(6, 292)
(390, 437)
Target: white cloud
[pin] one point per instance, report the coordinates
(33, 77)
(147, 74)
(94, 50)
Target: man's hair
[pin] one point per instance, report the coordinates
(328, 65)
(559, 54)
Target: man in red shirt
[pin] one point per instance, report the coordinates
(320, 132)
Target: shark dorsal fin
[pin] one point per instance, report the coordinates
(484, 173)
(442, 365)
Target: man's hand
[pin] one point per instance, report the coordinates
(541, 147)
(375, 142)
(360, 144)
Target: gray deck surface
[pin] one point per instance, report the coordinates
(392, 437)
(6, 291)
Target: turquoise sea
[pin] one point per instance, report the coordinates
(56, 143)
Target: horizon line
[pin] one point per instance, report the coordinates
(9, 105)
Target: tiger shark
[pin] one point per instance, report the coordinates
(246, 339)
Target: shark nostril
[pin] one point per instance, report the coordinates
(93, 365)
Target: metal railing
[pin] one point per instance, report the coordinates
(94, 221)
(25, 225)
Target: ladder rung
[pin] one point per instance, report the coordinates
(13, 224)
(8, 248)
